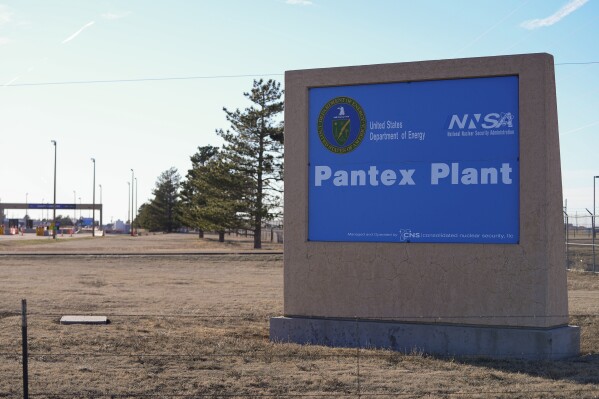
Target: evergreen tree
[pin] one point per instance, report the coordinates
(146, 219)
(212, 193)
(193, 195)
(162, 212)
(254, 149)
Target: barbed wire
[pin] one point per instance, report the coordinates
(361, 394)
(306, 355)
(346, 352)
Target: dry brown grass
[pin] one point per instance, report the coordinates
(152, 243)
(198, 325)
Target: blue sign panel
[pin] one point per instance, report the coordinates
(87, 222)
(434, 161)
(51, 206)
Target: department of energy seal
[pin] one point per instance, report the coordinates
(341, 125)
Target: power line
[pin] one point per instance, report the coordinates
(172, 78)
(299, 395)
(75, 82)
(576, 63)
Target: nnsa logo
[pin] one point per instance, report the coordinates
(492, 120)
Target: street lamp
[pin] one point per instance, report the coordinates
(54, 208)
(101, 210)
(79, 207)
(129, 202)
(594, 211)
(74, 208)
(136, 197)
(593, 220)
(132, 209)
(26, 209)
(94, 201)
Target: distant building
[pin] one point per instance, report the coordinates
(120, 225)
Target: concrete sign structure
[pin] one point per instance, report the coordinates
(423, 209)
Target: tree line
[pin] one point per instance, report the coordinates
(236, 186)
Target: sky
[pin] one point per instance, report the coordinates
(141, 84)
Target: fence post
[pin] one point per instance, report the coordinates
(24, 344)
(358, 356)
(593, 235)
(567, 242)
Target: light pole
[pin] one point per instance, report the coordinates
(79, 207)
(132, 209)
(94, 201)
(26, 209)
(129, 203)
(101, 210)
(54, 207)
(74, 208)
(594, 178)
(136, 197)
(593, 220)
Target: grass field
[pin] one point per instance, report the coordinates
(187, 325)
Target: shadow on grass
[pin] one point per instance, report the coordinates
(581, 370)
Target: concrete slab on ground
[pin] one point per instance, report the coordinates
(74, 319)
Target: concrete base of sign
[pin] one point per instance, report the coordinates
(435, 339)
(83, 320)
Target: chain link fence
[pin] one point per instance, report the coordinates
(581, 243)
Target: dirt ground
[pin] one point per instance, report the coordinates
(186, 325)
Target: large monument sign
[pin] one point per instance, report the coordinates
(423, 209)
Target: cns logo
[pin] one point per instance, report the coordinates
(407, 235)
(492, 120)
(341, 125)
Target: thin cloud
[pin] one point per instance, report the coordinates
(582, 127)
(5, 14)
(560, 14)
(74, 35)
(13, 80)
(299, 2)
(4, 40)
(502, 20)
(113, 16)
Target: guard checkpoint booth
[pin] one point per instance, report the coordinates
(423, 209)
